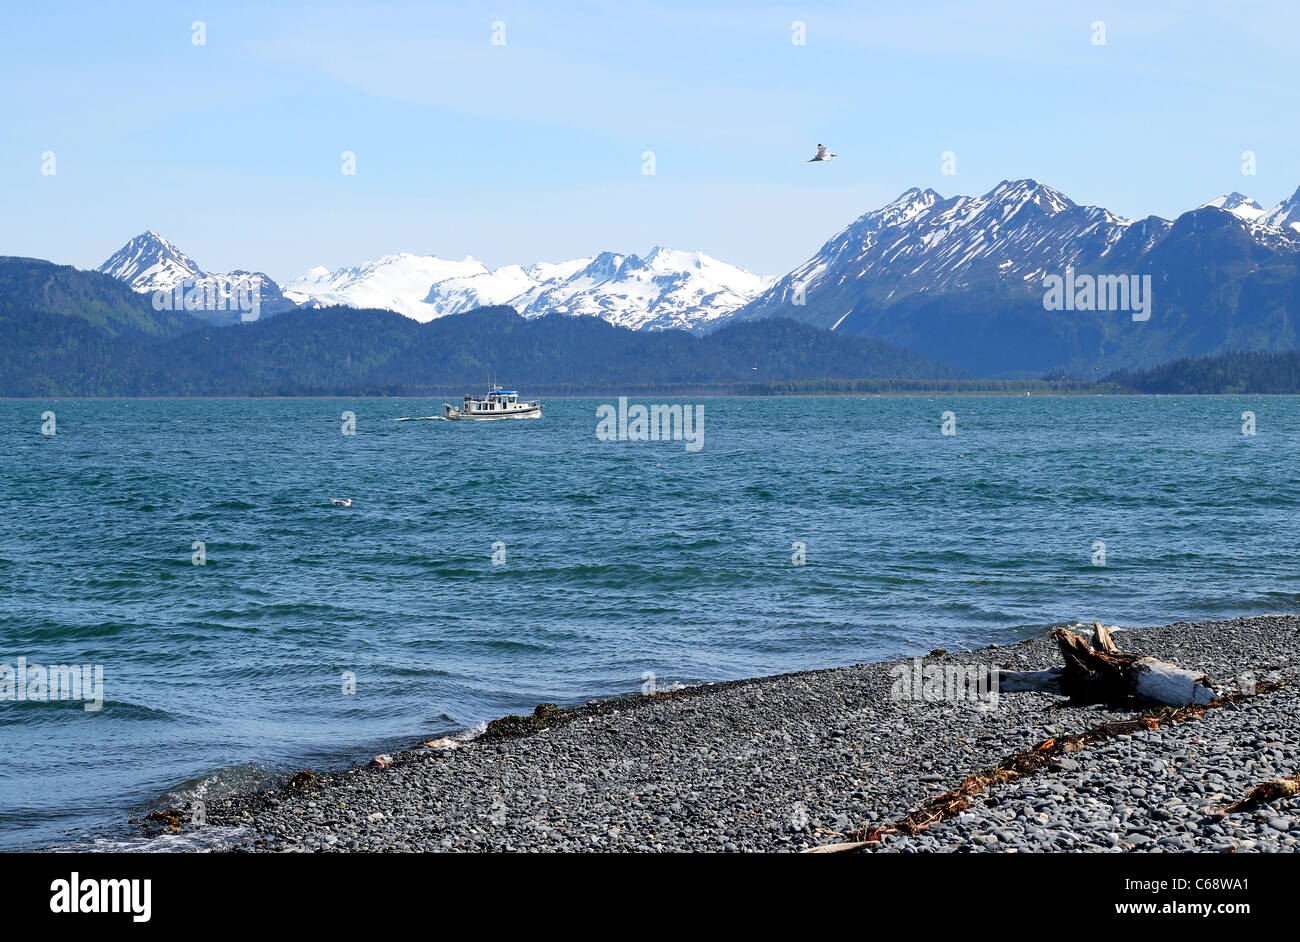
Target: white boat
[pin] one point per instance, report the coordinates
(497, 404)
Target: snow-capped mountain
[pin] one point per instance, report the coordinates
(924, 242)
(920, 244)
(397, 282)
(665, 289)
(1276, 228)
(1243, 207)
(1011, 236)
(1285, 215)
(962, 280)
(149, 263)
(515, 285)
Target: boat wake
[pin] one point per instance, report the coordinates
(422, 418)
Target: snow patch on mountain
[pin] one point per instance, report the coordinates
(1285, 215)
(398, 282)
(505, 285)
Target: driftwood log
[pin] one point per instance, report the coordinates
(1098, 672)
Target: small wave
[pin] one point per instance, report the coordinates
(199, 840)
(471, 732)
(216, 785)
(234, 504)
(29, 712)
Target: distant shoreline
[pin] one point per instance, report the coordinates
(971, 393)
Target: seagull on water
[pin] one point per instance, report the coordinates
(340, 502)
(822, 154)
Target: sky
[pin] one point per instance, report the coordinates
(519, 133)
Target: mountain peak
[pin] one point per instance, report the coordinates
(922, 242)
(1029, 191)
(151, 239)
(678, 259)
(665, 288)
(148, 262)
(1240, 205)
(904, 208)
(912, 194)
(1285, 215)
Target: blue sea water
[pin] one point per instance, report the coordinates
(620, 558)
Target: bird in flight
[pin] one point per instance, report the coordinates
(340, 502)
(822, 154)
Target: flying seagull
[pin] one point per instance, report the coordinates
(822, 154)
(340, 502)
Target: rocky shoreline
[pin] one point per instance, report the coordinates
(790, 762)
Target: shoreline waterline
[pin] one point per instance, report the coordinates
(509, 805)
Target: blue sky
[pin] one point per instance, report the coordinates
(532, 150)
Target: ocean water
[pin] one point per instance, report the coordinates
(621, 558)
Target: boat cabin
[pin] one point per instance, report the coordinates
(498, 400)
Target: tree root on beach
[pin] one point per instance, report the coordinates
(1031, 760)
(1099, 673)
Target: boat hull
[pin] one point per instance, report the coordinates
(455, 415)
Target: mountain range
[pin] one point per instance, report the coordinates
(956, 279)
(65, 332)
(961, 280)
(952, 280)
(667, 289)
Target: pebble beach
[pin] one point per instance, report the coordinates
(795, 761)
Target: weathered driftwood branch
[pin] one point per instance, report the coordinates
(1099, 673)
(1101, 639)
